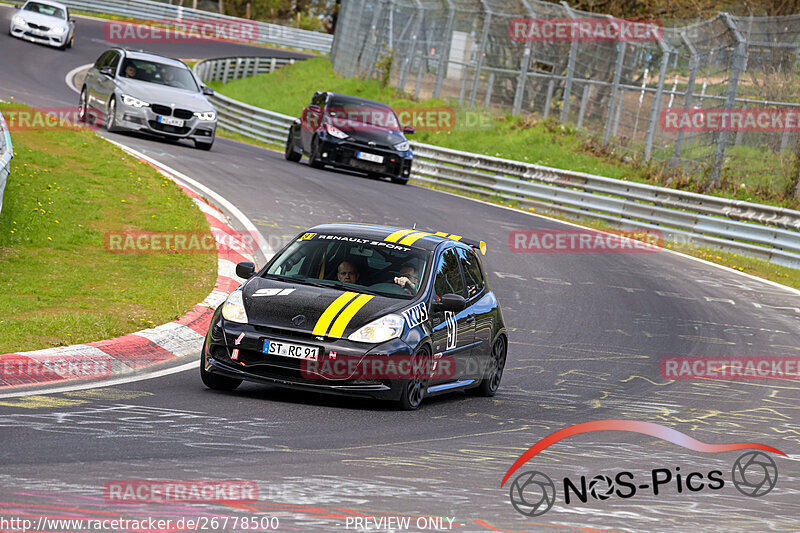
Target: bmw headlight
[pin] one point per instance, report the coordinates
(233, 310)
(133, 102)
(58, 30)
(336, 132)
(206, 115)
(381, 330)
(16, 19)
(402, 147)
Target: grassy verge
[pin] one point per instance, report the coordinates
(523, 138)
(58, 284)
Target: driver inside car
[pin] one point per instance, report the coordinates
(408, 279)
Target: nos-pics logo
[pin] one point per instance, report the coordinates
(533, 493)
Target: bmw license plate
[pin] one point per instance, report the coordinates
(287, 349)
(369, 157)
(169, 121)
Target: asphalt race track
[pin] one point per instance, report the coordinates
(587, 332)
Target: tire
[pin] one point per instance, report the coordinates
(491, 382)
(216, 381)
(413, 391)
(290, 153)
(204, 146)
(313, 157)
(71, 41)
(400, 181)
(83, 105)
(111, 115)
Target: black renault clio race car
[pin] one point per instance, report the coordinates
(378, 312)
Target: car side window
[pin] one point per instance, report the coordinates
(448, 275)
(114, 61)
(102, 61)
(472, 272)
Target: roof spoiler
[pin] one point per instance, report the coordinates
(478, 245)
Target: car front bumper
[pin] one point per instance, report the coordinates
(344, 154)
(23, 31)
(145, 119)
(252, 364)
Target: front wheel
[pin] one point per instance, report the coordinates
(204, 146)
(83, 106)
(313, 157)
(216, 381)
(400, 181)
(497, 362)
(415, 388)
(291, 153)
(111, 118)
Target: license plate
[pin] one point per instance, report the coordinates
(369, 157)
(169, 121)
(287, 349)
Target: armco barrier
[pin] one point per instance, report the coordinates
(146, 10)
(6, 154)
(762, 231)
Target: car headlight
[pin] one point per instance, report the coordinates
(16, 19)
(233, 310)
(402, 147)
(336, 132)
(133, 102)
(206, 115)
(58, 30)
(381, 330)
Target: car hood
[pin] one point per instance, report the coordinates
(160, 94)
(369, 134)
(41, 20)
(278, 304)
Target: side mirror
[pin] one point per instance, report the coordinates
(245, 269)
(17, 6)
(450, 302)
(107, 71)
(409, 129)
(314, 108)
(208, 91)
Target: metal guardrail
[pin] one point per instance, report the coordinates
(6, 154)
(270, 34)
(762, 231)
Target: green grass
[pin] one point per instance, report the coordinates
(526, 138)
(58, 284)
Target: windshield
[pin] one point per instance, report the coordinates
(353, 264)
(369, 113)
(159, 73)
(44, 9)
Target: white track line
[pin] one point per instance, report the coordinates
(71, 74)
(102, 384)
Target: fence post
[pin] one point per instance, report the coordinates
(366, 50)
(549, 99)
(488, 99)
(614, 87)
(409, 57)
(654, 111)
(730, 97)
(527, 57)
(694, 63)
(584, 99)
(487, 20)
(444, 58)
(573, 52)
(620, 102)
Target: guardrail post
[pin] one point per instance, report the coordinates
(573, 52)
(487, 20)
(739, 56)
(654, 111)
(614, 87)
(272, 62)
(694, 63)
(225, 71)
(247, 67)
(584, 100)
(444, 57)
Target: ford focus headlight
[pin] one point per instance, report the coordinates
(381, 330)
(233, 310)
(58, 30)
(402, 147)
(336, 132)
(207, 115)
(16, 19)
(133, 102)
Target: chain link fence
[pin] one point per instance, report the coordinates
(618, 90)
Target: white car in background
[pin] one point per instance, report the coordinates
(45, 22)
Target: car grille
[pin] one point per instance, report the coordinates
(38, 27)
(185, 114)
(161, 110)
(166, 128)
